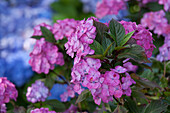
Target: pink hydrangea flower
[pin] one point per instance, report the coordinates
(126, 83)
(7, 91)
(81, 69)
(164, 54)
(3, 108)
(37, 92)
(142, 36)
(112, 85)
(42, 110)
(44, 56)
(166, 4)
(155, 21)
(64, 28)
(130, 67)
(108, 7)
(112, 78)
(119, 69)
(37, 29)
(83, 36)
(91, 80)
(71, 90)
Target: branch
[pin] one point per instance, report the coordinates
(60, 77)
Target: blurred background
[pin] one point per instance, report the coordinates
(17, 20)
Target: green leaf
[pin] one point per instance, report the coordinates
(154, 6)
(131, 105)
(117, 31)
(96, 56)
(135, 52)
(49, 82)
(48, 35)
(108, 46)
(56, 105)
(168, 16)
(146, 83)
(82, 96)
(67, 10)
(126, 38)
(156, 106)
(37, 37)
(97, 47)
(10, 111)
(136, 93)
(109, 49)
(101, 30)
(120, 109)
(164, 82)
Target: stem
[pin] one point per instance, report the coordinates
(12, 103)
(40, 103)
(79, 106)
(117, 101)
(164, 69)
(60, 77)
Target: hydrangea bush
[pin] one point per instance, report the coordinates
(87, 65)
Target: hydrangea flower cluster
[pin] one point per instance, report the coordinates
(130, 67)
(164, 52)
(17, 22)
(155, 21)
(142, 36)
(166, 4)
(81, 38)
(45, 54)
(2, 108)
(112, 84)
(42, 110)
(106, 7)
(7, 91)
(70, 92)
(37, 92)
(64, 28)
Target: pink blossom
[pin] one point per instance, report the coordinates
(7, 91)
(37, 92)
(130, 67)
(64, 97)
(108, 7)
(37, 29)
(91, 80)
(64, 28)
(126, 83)
(166, 4)
(71, 90)
(81, 38)
(142, 36)
(119, 69)
(155, 21)
(3, 108)
(164, 54)
(112, 78)
(42, 110)
(44, 56)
